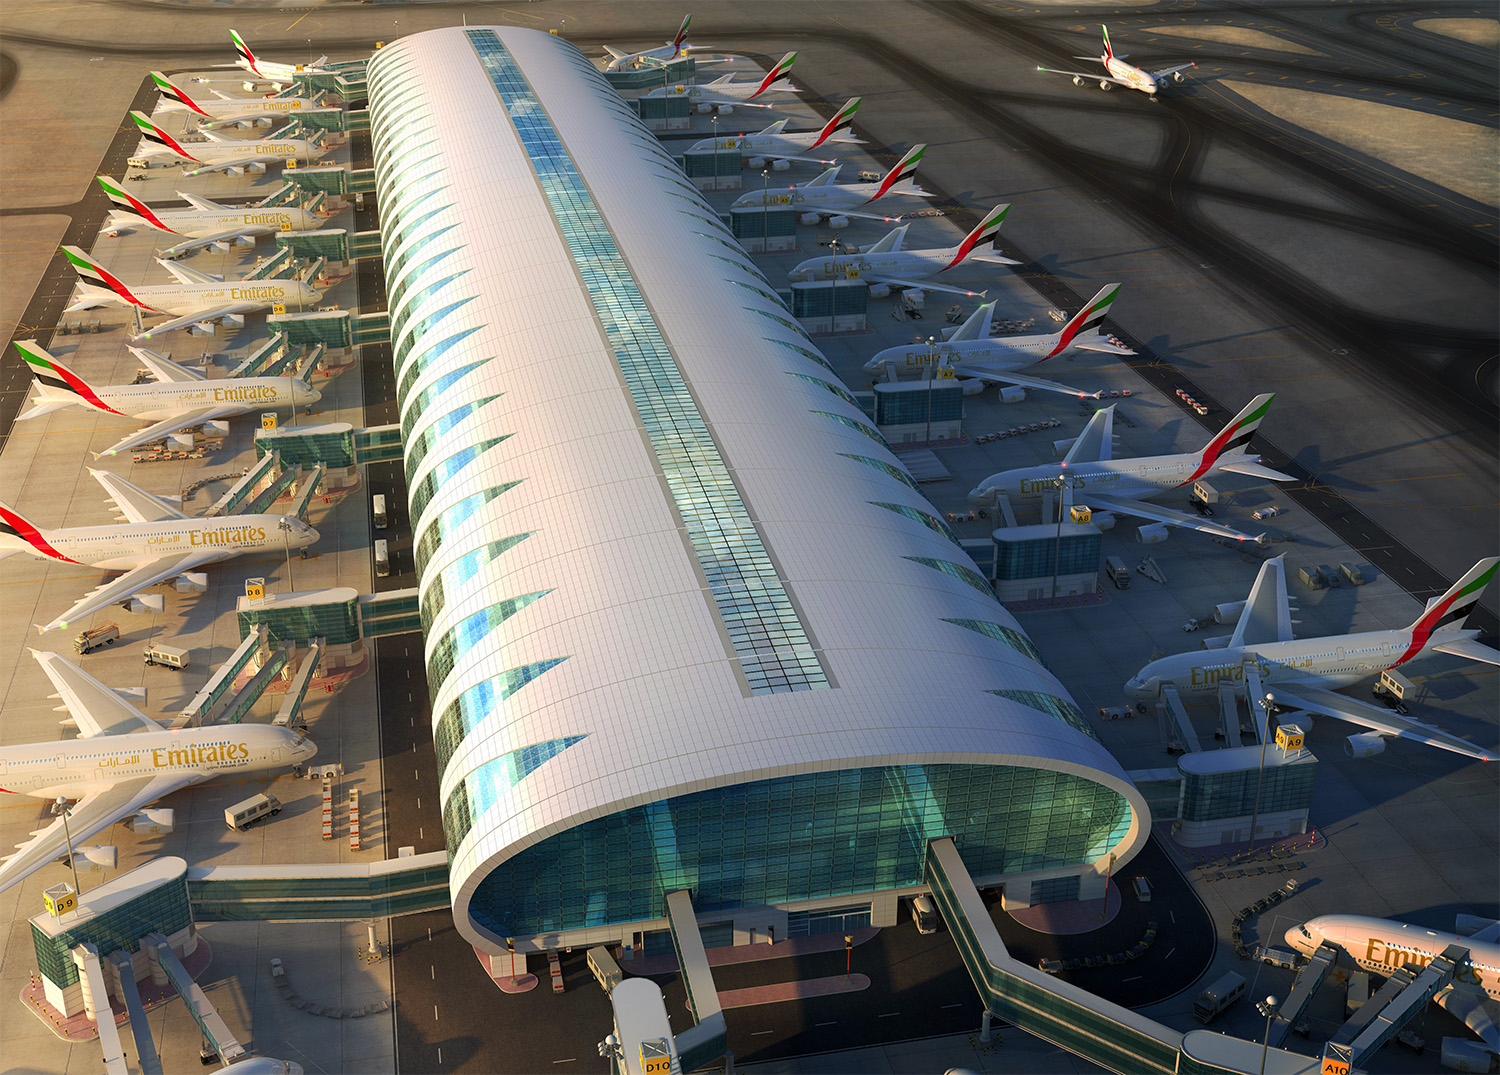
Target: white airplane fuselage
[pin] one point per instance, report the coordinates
(907, 263)
(242, 106)
(832, 199)
(124, 546)
(75, 767)
(158, 400)
(769, 145)
(1137, 78)
(1132, 478)
(292, 150)
(1009, 353)
(184, 299)
(729, 93)
(1384, 946)
(197, 223)
(1331, 662)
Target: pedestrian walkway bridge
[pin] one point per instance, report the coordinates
(319, 892)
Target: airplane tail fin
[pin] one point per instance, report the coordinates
(129, 204)
(1086, 320)
(1454, 607)
(841, 123)
(1236, 436)
(681, 34)
(903, 173)
(18, 534)
(155, 135)
(977, 327)
(1109, 53)
(60, 385)
(779, 75)
(981, 238)
(174, 93)
(244, 51)
(97, 276)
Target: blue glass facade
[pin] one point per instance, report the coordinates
(790, 839)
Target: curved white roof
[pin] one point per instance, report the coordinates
(618, 407)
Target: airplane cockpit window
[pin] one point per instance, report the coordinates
(1305, 933)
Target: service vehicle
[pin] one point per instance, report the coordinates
(924, 914)
(1118, 573)
(604, 968)
(382, 558)
(1141, 886)
(167, 656)
(377, 508)
(242, 815)
(104, 634)
(1217, 997)
(1267, 513)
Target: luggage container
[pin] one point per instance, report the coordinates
(1352, 573)
(1312, 578)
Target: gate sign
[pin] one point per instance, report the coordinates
(1332, 1065)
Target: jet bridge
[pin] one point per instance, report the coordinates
(209, 1022)
(1379, 1019)
(242, 490)
(291, 705)
(140, 1028)
(204, 704)
(1173, 702)
(1309, 980)
(96, 995)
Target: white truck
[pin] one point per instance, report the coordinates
(244, 814)
(167, 656)
(1217, 997)
(104, 634)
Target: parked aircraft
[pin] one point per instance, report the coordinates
(651, 57)
(887, 264)
(178, 398)
(227, 111)
(1094, 477)
(726, 94)
(205, 224)
(821, 196)
(1120, 73)
(278, 74)
(220, 154)
(1302, 674)
(155, 543)
(972, 352)
(1384, 946)
(197, 298)
(122, 762)
(775, 144)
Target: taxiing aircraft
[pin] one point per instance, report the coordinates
(1120, 73)
(1092, 476)
(122, 762)
(178, 398)
(205, 224)
(278, 74)
(157, 542)
(973, 352)
(1302, 674)
(821, 196)
(227, 111)
(726, 94)
(197, 298)
(1385, 946)
(656, 57)
(887, 264)
(775, 144)
(220, 154)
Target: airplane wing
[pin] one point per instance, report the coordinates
(133, 502)
(1098, 76)
(199, 202)
(1477, 1013)
(1470, 649)
(1168, 72)
(158, 430)
(1020, 379)
(164, 369)
(188, 247)
(238, 162)
(1376, 718)
(1096, 444)
(1255, 470)
(1101, 345)
(133, 581)
(993, 259)
(97, 709)
(1156, 513)
(200, 315)
(89, 815)
(921, 285)
(1267, 615)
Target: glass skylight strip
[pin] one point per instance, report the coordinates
(768, 638)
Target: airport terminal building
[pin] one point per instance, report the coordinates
(688, 621)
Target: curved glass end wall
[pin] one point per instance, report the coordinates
(794, 838)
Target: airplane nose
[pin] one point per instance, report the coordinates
(307, 748)
(311, 535)
(313, 395)
(1142, 689)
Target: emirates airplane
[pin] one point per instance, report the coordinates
(121, 763)
(822, 197)
(651, 57)
(776, 143)
(219, 154)
(178, 398)
(157, 542)
(1119, 73)
(227, 111)
(726, 94)
(203, 225)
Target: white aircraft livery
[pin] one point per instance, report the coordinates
(267, 71)
(157, 542)
(1384, 946)
(197, 298)
(656, 57)
(226, 111)
(178, 398)
(886, 263)
(220, 154)
(206, 224)
(122, 762)
(1091, 475)
(776, 144)
(821, 196)
(1120, 73)
(972, 352)
(1301, 674)
(725, 93)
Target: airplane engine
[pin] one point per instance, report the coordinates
(780, 165)
(191, 582)
(1012, 394)
(837, 222)
(155, 821)
(1077, 81)
(1105, 85)
(235, 170)
(98, 857)
(235, 321)
(244, 240)
(704, 110)
(258, 168)
(1152, 534)
(808, 219)
(1177, 77)
(726, 110)
(971, 386)
(248, 86)
(1366, 745)
(879, 291)
(1103, 520)
(264, 121)
(144, 604)
(757, 163)
(202, 328)
(218, 429)
(182, 441)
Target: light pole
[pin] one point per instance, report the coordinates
(765, 210)
(1107, 871)
(714, 119)
(848, 947)
(286, 540)
(931, 377)
(68, 838)
(1059, 483)
(1267, 1008)
(1260, 770)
